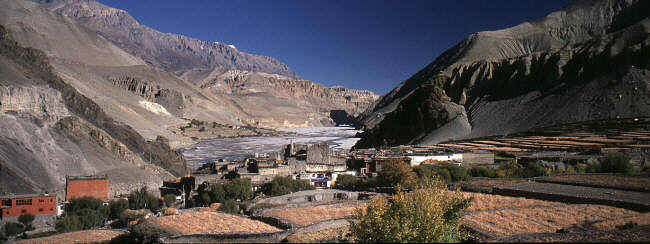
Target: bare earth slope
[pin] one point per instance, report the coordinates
(256, 90)
(48, 131)
(586, 61)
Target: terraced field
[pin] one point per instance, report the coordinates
(622, 134)
(85, 236)
(614, 181)
(496, 217)
(202, 222)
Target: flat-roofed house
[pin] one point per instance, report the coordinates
(87, 186)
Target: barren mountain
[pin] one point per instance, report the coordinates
(273, 95)
(172, 52)
(586, 61)
(48, 130)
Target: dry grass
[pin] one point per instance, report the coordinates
(501, 223)
(640, 219)
(483, 202)
(85, 236)
(339, 233)
(211, 222)
(615, 181)
(310, 215)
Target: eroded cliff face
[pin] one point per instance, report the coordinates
(286, 100)
(48, 131)
(529, 75)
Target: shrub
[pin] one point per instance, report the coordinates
(348, 182)
(397, 172)
(68, 223)
(142, 199)
(229, 206)
(205, 199)
(89, 218)
(169, 199)
(13, 228)
(443, 171)
(533, 169)
(481, 171)
(26, 220)
(231, 175)
(117, 207)
(285, 185)
(427, 214)
(77, 204)
(616, 163)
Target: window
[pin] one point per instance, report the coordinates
(40, 209)
(41, 200)
(6, 202)
(23, 210)
(20, 202)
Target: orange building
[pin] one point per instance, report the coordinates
(86, 186)
(35, 204)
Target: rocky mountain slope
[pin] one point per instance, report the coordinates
(48, 130)
(586, 61)
(172, 52)
(213, 66)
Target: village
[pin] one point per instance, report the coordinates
(309, 192)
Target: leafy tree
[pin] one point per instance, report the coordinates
(229, 206)
(13, 228)
(481, 171)
(68, 223)
(533, 169)
(26, 220)
(169, 199)
(426, 214)
(217, 193)
(616, 163)
(77, 204)
(117, 207)
(205, 199)
(397, 172)
(239, 189)
(89, 218)
(285, 185)
(142, 199)
(231, 175)
(348, 182)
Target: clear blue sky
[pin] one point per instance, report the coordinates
(369, 44)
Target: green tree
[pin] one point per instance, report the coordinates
(169, 199)
(229, 206)
(217, 193)
(89, 218)
(348, 182)
(239, 189)
(142, 199)
(68, 223)
(285, 185)
(231, 175)
(77, 204)
(481, 171)
(426, 214)
(26, 220)
(116, 208)
(616, 163)
(13, 228)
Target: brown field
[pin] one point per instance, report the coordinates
(210, 222)
(483, 202)
(485, 185)
(614, 181)
(85, 236)
(311, 215)
(501, 223)
(320, 236)
(641, 219)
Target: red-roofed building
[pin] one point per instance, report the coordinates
(35, 204)
(86, 186)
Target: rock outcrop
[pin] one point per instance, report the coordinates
(586, 61)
